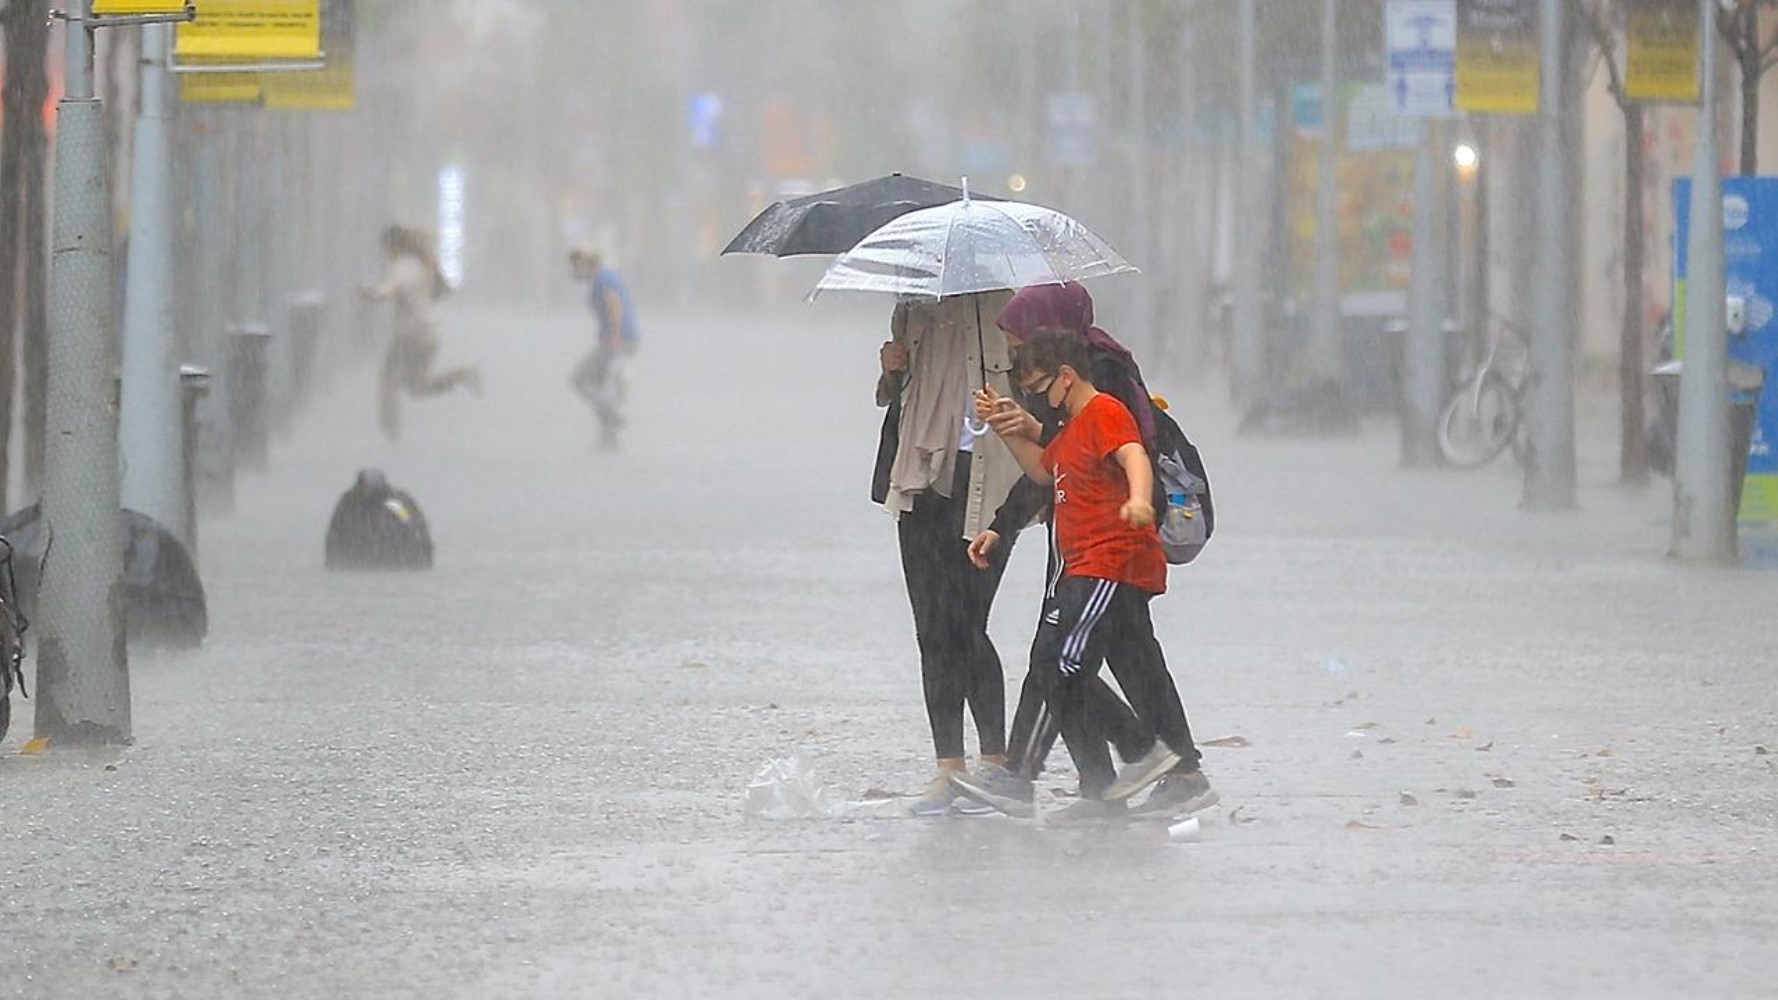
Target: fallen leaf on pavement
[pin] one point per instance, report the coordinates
(1608, 840)
(1485, 747)
(1432, 722)
(1503, 782)
(1465, 793)
(1387, 739)
(1368, 725)
(1407, 799)
(1358, 824)
(35, 747)
(1236, 817)
(1760, 751)
(1227, 741)
(878, 794)
(1463, 733)
(1569, 836)
(1605, 752)
(1358, 755)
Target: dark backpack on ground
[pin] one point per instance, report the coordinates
(376, 526)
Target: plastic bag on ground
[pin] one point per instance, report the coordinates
(789, 788)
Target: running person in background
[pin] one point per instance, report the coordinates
(413, 282)
(601, 379)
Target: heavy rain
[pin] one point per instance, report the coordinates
(781, 498)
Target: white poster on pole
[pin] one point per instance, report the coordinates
(1420, 40)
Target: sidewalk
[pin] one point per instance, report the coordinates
(1486, 753)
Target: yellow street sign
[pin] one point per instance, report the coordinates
(1497, 56)
(252, 29)
(1661, 61)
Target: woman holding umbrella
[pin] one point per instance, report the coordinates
(952, 267)
(943, 489)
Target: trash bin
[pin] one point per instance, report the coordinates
(1746, 382)
(306, 313)
(194, 383)
(249, 347)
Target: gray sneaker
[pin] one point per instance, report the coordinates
(996, 786)
(1178, 794)
(1139, 774)
(1087, 811)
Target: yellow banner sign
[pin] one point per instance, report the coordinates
(252, 29)
(108, 8)
(219, 88)
(1497, 56)
(330, 89)
(1662, 51)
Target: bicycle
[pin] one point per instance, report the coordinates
(1484, 414)
(12, 638)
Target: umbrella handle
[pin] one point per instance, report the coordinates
(976, 428)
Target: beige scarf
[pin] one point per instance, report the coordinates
(933, 399)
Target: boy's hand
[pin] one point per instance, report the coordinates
(981, 545)
(894, 357)
(1137, 513)
(1004, 415)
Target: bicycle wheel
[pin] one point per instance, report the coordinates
(1478, 423)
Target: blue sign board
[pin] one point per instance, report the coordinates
(1750, 259)
(1420, 57)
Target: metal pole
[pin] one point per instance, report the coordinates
(1549, 461)
(1248, 350)
(1194, 223)
(1140, 208)
(1423, 351)
(209, 287)
(1703, 510)
(83, 689)
(149, 426)
(1326, 358)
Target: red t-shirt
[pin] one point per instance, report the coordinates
(1091, 489)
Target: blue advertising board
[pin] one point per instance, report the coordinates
(1750, 258)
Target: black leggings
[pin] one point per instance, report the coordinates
(951, 600)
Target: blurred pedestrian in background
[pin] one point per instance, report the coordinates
(413, 282)
(602, 379)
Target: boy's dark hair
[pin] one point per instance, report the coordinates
(1048, 350)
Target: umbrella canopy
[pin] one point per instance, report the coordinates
(972, 246)
(833, 221)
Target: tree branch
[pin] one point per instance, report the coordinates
(1593, 16)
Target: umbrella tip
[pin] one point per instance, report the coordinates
(966, 190)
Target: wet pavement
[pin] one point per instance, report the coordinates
(1486, 753)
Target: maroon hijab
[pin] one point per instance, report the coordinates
(1068, 306)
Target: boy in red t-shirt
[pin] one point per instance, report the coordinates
(1111, 566)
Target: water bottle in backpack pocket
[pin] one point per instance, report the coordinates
(1184, 528)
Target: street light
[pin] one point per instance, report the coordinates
(1467, 160)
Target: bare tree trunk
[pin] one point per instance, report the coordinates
(1633, 455)
(1750, 74)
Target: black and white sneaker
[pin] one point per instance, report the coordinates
(1139, 774)
(1179, 793)
(991, 784)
